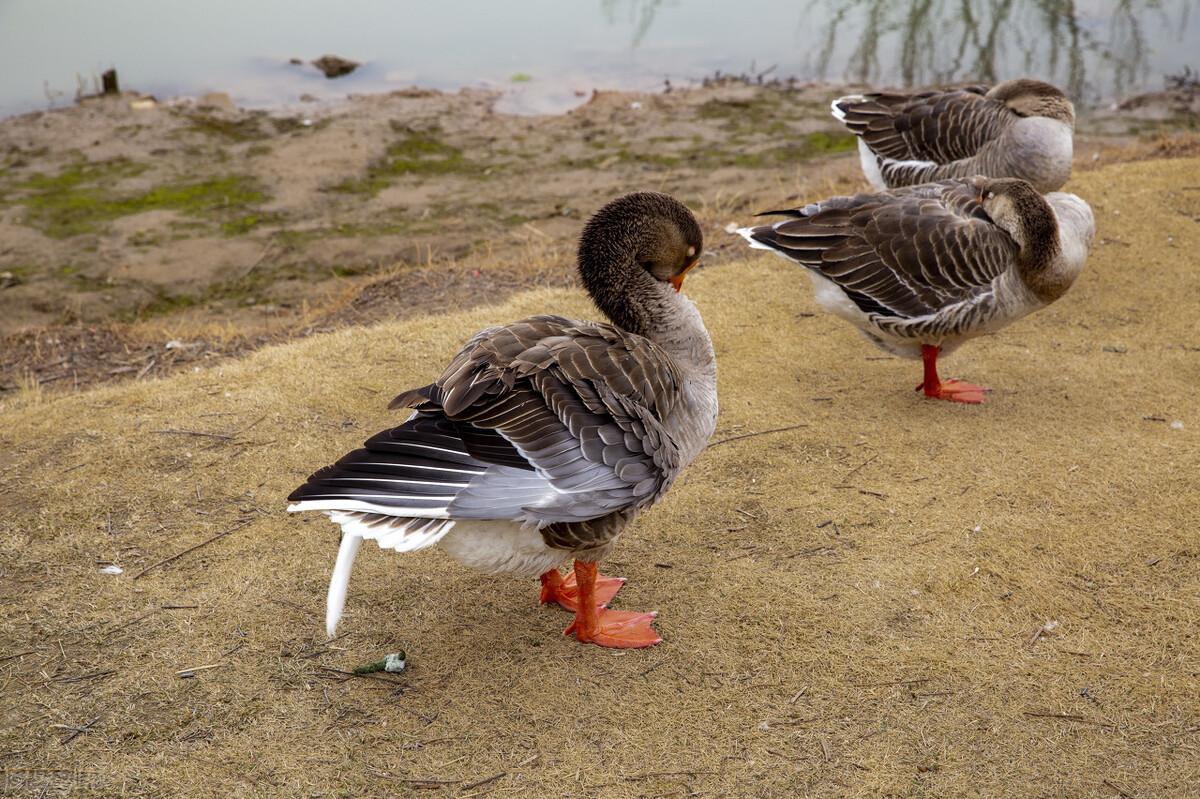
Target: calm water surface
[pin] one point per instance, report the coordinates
(543, 52)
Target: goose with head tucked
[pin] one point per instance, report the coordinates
(919, 270)
(1017, 129)
(544, 438)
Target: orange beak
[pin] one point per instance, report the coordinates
(677, 280)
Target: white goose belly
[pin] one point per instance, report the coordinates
(904, 337)
(501, 547)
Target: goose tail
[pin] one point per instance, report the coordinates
(339, 581)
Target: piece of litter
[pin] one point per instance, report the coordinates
(111, 568)
(732, 227)
(635, 105)
(394, 662)
(1046, 629)
(1177, 425)
(306, 123)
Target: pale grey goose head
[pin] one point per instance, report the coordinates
(543, 438)
(921, 269)
(1020, 128)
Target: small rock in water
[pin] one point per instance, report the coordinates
(218, 100)
(335, 66)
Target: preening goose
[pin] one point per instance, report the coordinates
(1017, 129)
(921, 269)
(544, 438)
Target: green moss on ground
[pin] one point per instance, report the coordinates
(418, 153)
(81, 198)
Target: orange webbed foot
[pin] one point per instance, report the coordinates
(618, 629)
(956, 391)
(564, 591)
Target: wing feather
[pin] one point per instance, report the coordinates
(903, 253)
(936, 126)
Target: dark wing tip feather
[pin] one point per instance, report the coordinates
(413, 398)
(794, 213)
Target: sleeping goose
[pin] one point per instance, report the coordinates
(921, 269)
(544, 438)
(1017, 129)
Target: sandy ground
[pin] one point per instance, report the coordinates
(126, 225)
(851, 605)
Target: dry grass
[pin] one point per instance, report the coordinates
(849, 607)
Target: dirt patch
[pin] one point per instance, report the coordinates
(131, 220)
(890, 597)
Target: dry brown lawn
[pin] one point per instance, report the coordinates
(851, 606)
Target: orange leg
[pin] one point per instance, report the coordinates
(564, 591)
(598, 625)
(952, 390)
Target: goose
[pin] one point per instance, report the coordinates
(1017, 129)
(544, 438)
(921, 269)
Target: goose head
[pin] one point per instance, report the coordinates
(634, 252)
(1033, 222)
(1034, 98)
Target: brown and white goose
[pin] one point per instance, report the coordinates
(544, 438)
(921, 269)
(1017, 129)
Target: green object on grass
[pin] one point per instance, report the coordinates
(394, 662)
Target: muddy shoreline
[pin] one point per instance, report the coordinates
(137, 237)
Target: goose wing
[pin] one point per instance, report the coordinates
(902, 253)
(936, 127)
(545, 420)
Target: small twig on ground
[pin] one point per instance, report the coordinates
(199, 433)
(18, 655)
(752, 435)
(349, 674)
(890, 682)
(1067, 717)
(1045, 629)
(859, 466)
(1124, 794)
(75, 731)
(206, 542)
(649, 775)
(659, 664)
(95, 675)
(149, 365)
(132, 621)
(485, 781)
(192, 671)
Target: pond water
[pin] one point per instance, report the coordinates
(546, 54)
